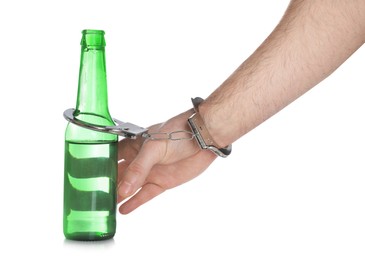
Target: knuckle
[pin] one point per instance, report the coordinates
(136, 169)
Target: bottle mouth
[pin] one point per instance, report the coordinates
(93, 38)
(91, 31)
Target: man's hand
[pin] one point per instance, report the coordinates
(149, 167)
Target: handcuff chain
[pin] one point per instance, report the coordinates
(173, 136)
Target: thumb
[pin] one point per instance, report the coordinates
(139, 169)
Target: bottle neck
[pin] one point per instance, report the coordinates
(92, 97)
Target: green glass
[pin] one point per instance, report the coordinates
(90, 157)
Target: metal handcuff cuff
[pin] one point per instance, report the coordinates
(132, 131)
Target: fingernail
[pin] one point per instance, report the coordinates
(125, 188)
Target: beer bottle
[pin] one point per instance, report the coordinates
(90, 171)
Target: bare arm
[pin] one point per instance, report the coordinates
(313, 38)
(311, 41)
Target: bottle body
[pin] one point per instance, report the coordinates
(89, 190)
(90, 171)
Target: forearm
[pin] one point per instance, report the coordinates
(310, 42)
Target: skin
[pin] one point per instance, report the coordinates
(310, 42)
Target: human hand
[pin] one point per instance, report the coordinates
(149, 167)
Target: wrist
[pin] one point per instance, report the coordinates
(202, 134)
(214, 124)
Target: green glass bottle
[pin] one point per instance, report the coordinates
(90, 171)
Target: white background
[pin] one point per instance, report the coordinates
(293, 187)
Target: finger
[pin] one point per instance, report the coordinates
(122, 166)
(182, 172)
(128, 148)
(145, 194)
(166, 177)
(137, 171)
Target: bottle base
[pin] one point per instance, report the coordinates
(87, 236)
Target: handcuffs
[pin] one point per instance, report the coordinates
(132, 131)
(201, 133)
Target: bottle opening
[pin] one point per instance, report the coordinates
(90, 31)
(93, 38)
